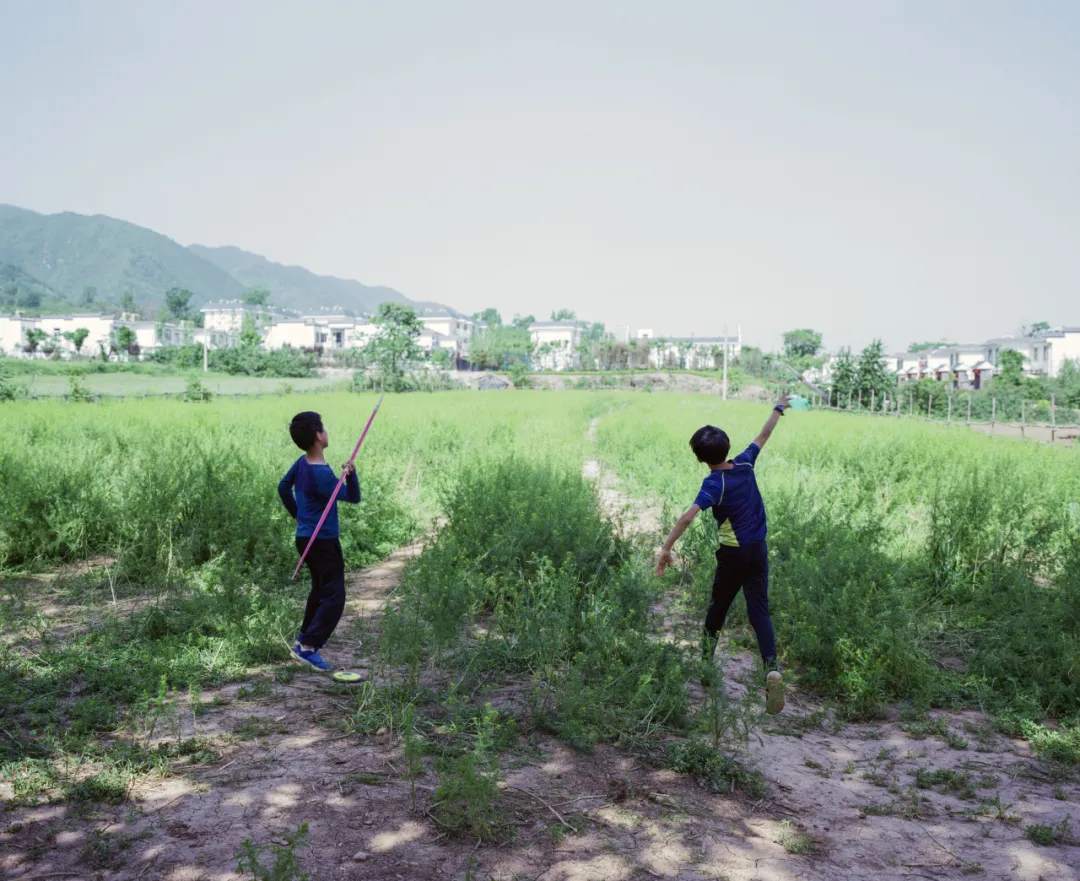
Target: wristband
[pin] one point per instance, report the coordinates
(779, 409)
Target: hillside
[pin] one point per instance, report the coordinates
(69, 252)
(297, 288)
(20, 290)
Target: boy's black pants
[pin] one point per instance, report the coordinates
(326, 601)
(747, 567)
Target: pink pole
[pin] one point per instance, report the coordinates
(337, 489)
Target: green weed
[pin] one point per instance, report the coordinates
(793, 840)
(1048, 836)
(285, 863)
(712, 769)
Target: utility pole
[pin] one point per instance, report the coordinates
(725, 362)
(205, 356)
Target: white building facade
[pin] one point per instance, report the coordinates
(555, 345)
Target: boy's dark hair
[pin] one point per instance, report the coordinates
(711, 445)
(304, 427)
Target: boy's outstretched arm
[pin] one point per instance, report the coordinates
(774, 417)
(663, 556)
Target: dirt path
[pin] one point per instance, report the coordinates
(844, 800)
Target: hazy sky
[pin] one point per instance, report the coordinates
(900, 169)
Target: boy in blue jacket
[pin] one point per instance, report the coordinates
(314, 482)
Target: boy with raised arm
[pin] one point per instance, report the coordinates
(742, 560)
(313, 481)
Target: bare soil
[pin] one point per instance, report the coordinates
(842, 796)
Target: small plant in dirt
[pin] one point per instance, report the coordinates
(108, 787)
(792, 839)
(465, 801)
(1001, 810)
(712, 769)
(283, 864)
(959, 783)
(1048, 836)
(253, 728)
(258, 690)
(1060, 746)
(30, 779)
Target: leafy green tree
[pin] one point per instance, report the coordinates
(1038, 327)
(497, 347)
(257, 296)
(519, 376)
(845, 378)
(34, 338)
(563, 315)
(77, 337)
(524, 322)
(684, 347)
(490, 317)
(441, 358)
(393, 346)
(805, 343)
(873, 377)
(124, 340)
(127, 303)
(1010, 367)
(178, 302)
(250, 337)
(1067, 384)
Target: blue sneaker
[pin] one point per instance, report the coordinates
(312, 659)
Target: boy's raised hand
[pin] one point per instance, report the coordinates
(783, 402)
(664, 558)
(347, 469)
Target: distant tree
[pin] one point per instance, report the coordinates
(929, 346)
(873, 378)
(124, 340)
(684, 348)
(28, 300)
(89, 295)
(77, 337)
(753, 361)
(490, 317)
(802, 343)
(394, 344)
(1068, 383)
(524, 322)
(257, 296)
(34, 338)
(845, 377)
(1010, 367)
(563, 315)
(519, 376)
(250, 337)
(593, 333)
(441, 358)
(1037, 327)
(127, 304)
(177, 302)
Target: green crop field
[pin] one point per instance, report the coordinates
(912, 565)
(134, 384)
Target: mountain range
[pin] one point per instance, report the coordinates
(68, 261)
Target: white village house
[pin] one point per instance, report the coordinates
(694, 352)
(555, 345)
